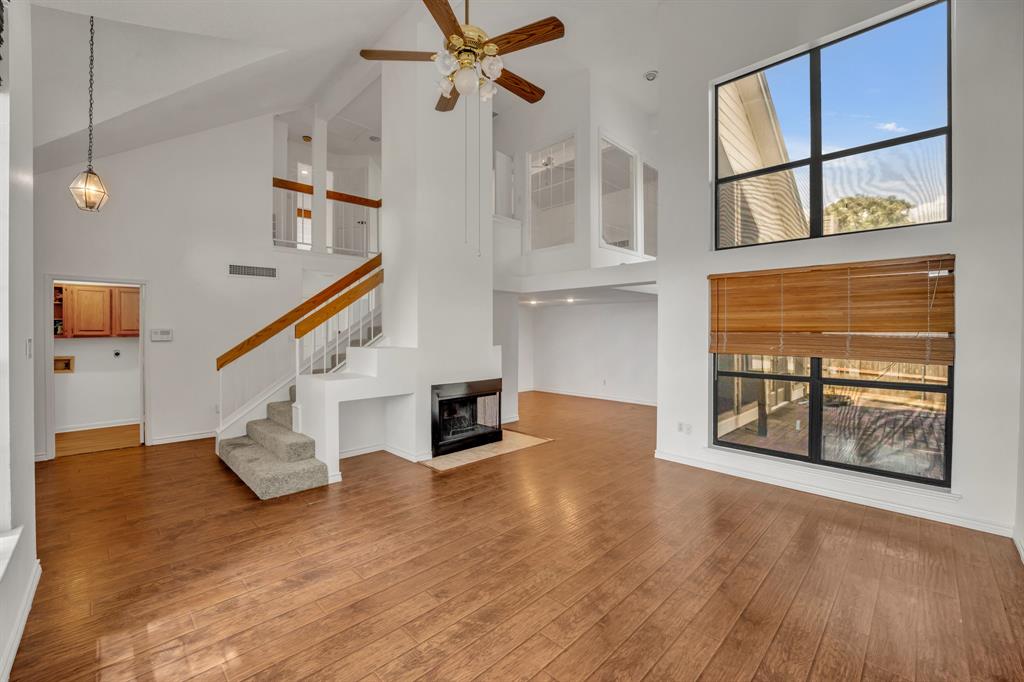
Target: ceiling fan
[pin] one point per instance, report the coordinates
(470, 61)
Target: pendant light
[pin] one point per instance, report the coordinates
(87, 188)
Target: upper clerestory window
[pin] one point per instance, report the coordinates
(849, 136)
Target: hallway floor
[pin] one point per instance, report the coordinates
(582, 558)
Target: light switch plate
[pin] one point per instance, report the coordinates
(161, 334)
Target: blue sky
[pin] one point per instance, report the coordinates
(884, 83)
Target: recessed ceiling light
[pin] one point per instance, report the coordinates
(651, 75)
(570, 300)
(305, 172)
(533, 302)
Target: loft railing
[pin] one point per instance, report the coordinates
(353, 226)
(266, 360)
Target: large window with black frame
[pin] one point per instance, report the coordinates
(850, 136)
(848, 366)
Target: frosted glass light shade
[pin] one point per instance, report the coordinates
(466, 80)
(492, 67)
(445, 63)
(444, 86)
(487, 91)
(88, 191)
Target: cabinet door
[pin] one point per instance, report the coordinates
(90, 311)
(126, 311)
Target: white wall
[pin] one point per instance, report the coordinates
(525, 348)
(180, 212)
(601, 350)
(103, 390)
(17, 466)
(506, 335)
(985, 235)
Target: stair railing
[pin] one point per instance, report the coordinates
(354, 319)
(264, 362)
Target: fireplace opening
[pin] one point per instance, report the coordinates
(465, 415)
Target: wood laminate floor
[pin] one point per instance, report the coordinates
(96, 440)
(583, 558)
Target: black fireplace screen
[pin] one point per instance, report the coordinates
(465, 415)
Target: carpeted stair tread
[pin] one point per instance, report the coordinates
(284, 443)
(265, 474)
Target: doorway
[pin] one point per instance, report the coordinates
(95, 397)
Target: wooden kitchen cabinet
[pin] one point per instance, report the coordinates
(90, 310)
(125, 320)
(81, 310)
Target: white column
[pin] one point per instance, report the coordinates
(319, 204)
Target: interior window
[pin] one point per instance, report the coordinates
(553, 195)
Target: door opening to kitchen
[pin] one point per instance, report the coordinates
(97, 385)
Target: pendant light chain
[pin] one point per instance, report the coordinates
(92, 61)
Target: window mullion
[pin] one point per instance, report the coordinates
(815, 411)
(816, 198)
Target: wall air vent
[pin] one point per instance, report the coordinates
(251, 271)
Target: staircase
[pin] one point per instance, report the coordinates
(272, 459)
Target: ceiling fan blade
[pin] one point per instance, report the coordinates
(447, 103)
(518, 85)
(527, 36)
(445, 17)
(397, 55)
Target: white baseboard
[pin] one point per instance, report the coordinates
(510, 418)
(365, 450)
(405, 454)
(11, 646)
(43, 457)
(1020, 547)
(96, 425)
(836, 493)
(610, 398)
(333, 478)
(199, 435)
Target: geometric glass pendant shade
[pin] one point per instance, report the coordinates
(88, 191)
(87, 188)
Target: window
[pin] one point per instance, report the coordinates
(850, 136)
(650, 211)
(847, 365)
(553, 195)
(893, 420)
(618, 196)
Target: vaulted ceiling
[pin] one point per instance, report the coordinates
(169, 68)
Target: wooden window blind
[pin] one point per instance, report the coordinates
(898, 310)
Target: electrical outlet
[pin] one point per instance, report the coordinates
(684, 428)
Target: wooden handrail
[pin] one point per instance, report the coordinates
(337, 305)
(303, 188)
(298, 312)
(353, 199)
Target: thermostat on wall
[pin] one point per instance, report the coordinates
(161, 334)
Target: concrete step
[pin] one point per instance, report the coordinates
(265, 474)
(284, 443)
(280, 413)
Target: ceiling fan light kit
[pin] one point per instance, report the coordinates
(470, 61)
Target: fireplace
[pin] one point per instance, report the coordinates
(465, 415)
